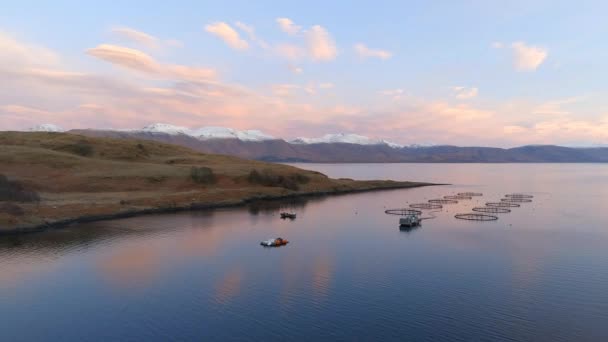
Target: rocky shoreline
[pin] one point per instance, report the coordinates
(389, 185)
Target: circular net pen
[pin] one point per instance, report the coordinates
(470, 194)
(403, 212)
(492, 210)
(516, 200)
(426, 206)
(443, 201)
(519, 196)
(476, 217)
(457, 197)
(503, 204)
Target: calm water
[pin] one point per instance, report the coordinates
(539, 273)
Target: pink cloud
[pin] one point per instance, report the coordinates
(139, 61)
(288, 26)
(192, 96)
(136, 36)
(320, 44)
(363, 51)
(226, 33)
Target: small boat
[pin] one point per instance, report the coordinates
(409, 221)
(290, 216)
(274, 242)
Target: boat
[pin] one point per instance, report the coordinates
(277, 242)
(409, 221)
(285, 215)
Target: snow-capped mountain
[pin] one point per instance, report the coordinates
(229, 133)
(345, 138)
(333, 148)
(206, 133)
(213, 132)
(46, 128)
(422, 145)
(163, 128)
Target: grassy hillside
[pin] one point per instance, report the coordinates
(72, 176)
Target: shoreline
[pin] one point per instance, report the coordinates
(204, 206)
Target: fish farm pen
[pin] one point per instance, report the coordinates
(469, 194)
(476, 217)
(519, 196)
(403, 212)
(516, 200)
(457, 197)
(426, 206)
(443, 201)
(493, 210)
(503, 204)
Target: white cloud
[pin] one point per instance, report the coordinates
(250, 31)
(136, 36)
(246, 28)
(288, 26)
(315, 43)
(395, 94)
(283, 90)
(460, 111)
(227, 34)
(465, 93)
(527, 57)
(311, 88)
(392, 91)
(290, 51)
(296, 69)
(321, 45)
(144, 39)
(557, 107)
(365, 52)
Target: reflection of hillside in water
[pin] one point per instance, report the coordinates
(92, 234)
(130, 259)
(271, 207)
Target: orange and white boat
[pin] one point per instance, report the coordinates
(274, 242)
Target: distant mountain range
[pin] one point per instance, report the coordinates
(340, 148)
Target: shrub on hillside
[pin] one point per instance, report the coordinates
(81, 148)
(142, 150)
(302, 179)
(268, 177)
(15, 191)
(202, 175)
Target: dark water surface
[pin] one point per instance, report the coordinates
(539, 273)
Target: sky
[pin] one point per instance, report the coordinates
(490, 73)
